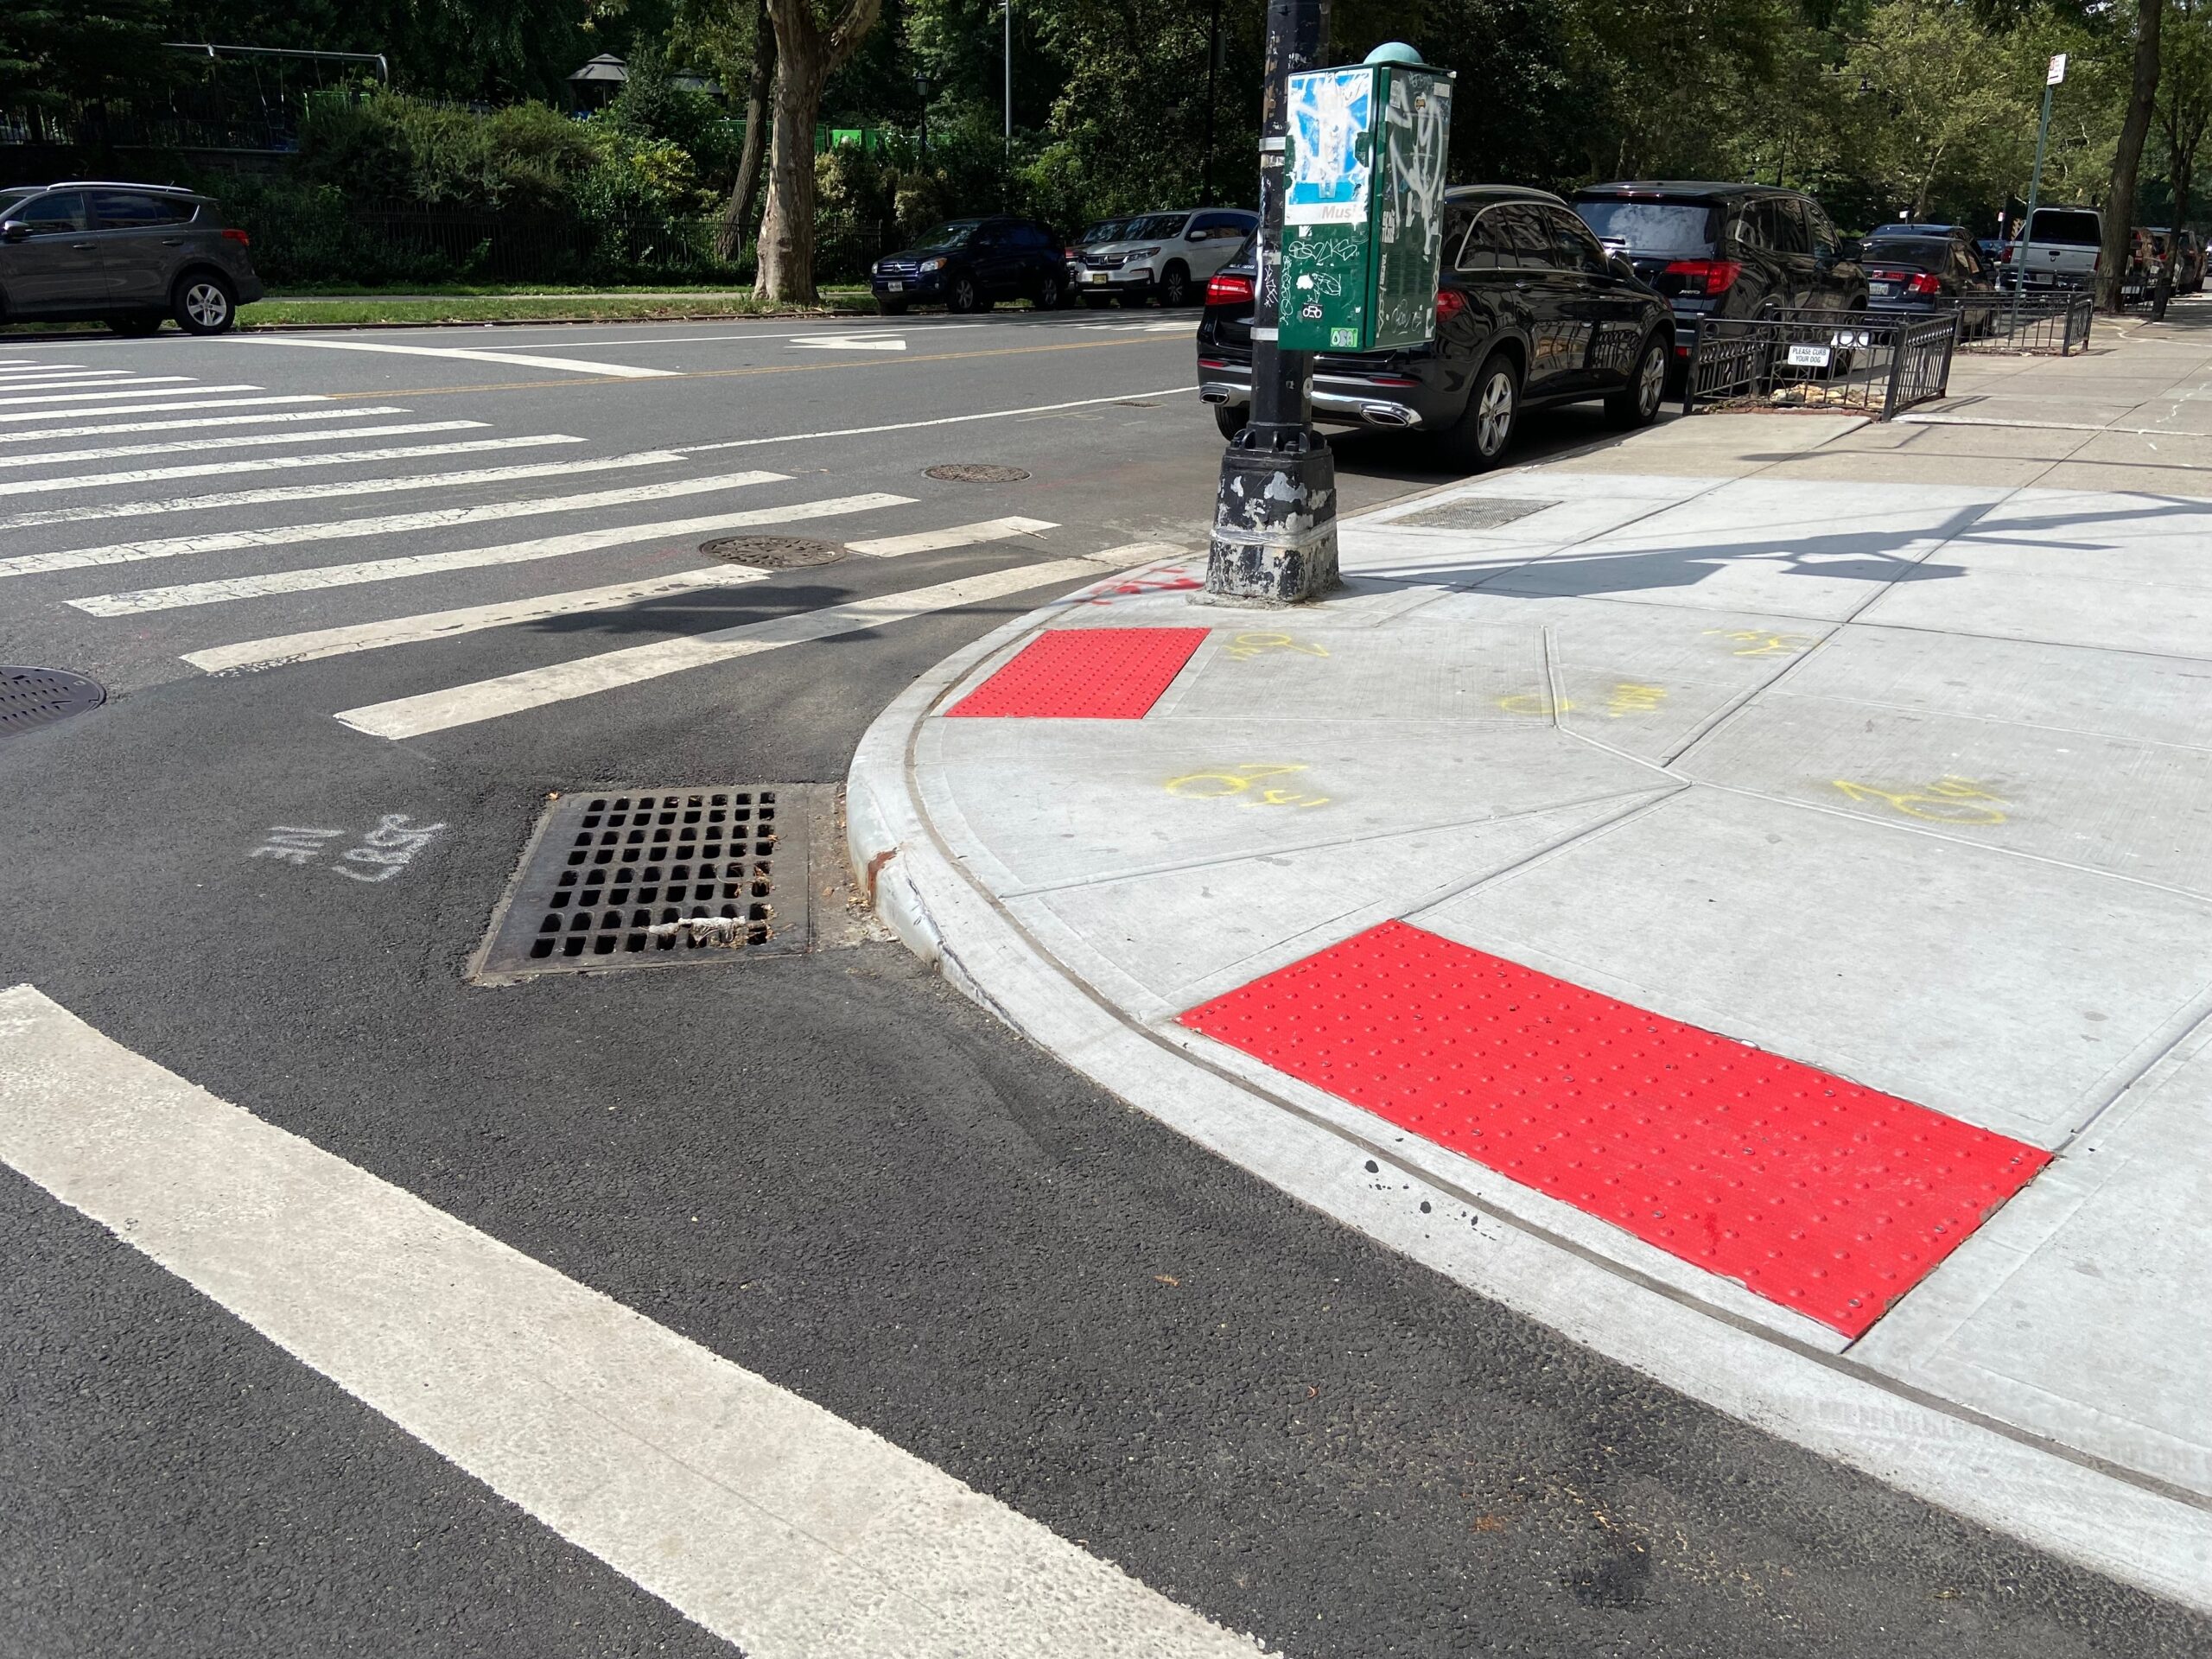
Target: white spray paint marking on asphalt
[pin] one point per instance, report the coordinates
(464, 705)
(385, 851)
(467, 558)
(202, 422)
(848, 343)
(337, 530)
(345, 489)
(171, 408)
(253, 655)
(262, 464)
(127, 390)
(940, 420)
(506, 359)
(236, 440)
(772, 1522)
(936, 541)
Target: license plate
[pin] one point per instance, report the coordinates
(1097, 276)
(895, 287)
(1809, 357)
(1881, 287)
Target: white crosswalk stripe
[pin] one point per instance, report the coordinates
(252, 655)
(464, 705)
(166, 409)
(203, 423)
(269, 464)
(170, 547)
(236, 440)
(937, 541)
(470, 354)
(470, 558)
(126, 389)
(78, 377)
(346, 489)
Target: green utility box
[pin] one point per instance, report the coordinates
(1363, 204)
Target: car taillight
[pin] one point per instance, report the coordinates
(1923, 283)
(1705, 276)
(1449, 303)
(239, 237)
(1226, 290)
(1888, 276)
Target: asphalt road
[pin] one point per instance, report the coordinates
(828, 1168)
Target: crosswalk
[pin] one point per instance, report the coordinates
(578, 530)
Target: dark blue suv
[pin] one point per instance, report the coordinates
(968, 265)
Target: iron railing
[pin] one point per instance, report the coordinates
(1847, 362)
(2053, 323)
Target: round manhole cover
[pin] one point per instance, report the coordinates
(772, 552)
(39, 697)
(969, 472)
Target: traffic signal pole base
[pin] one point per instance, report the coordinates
(1274, 533)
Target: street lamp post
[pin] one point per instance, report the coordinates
(922, 91)
(1274, 537)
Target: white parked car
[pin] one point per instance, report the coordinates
(1163, 255)
(2060, 249)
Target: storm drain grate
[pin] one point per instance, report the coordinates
(1470, 513)
(655, 877)
(772, 552)
(31, 697)
(970, 471)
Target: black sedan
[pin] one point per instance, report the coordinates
(1529, 310)
(968, 265)
(1931, 273)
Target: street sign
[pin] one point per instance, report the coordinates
(1363, 210)
(2056, 72)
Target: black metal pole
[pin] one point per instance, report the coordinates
(1274, 538)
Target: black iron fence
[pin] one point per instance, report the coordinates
(1848, 362)
(2053, 323)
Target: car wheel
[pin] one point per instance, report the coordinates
(1229, 418)
(1175, 286)
(1477, 440)
(961, 295)
(1636, 403)
(202, 303)
(892, 308)
(135, 325)
(1098, 302)
(1049, 297)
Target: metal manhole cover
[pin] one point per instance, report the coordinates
(1471, 512)
(772, 552)
(656, 877)
(31, 697)
(969, 472)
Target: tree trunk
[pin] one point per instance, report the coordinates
(2120, 203)
(787, 246)
(759, 85)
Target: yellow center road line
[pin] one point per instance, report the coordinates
(810, 367)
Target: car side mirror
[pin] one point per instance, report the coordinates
(14, 231)
(1197, 236)
(1620, 265)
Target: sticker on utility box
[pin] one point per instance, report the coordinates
(1809, 357)
(1330, 162)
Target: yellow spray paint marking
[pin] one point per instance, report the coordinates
(1245, 646)
(1233, 782)
(1758, 642)
(1628, 698)
(1947, 800)
(1533, 702)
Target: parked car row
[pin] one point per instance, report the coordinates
(127, 255)
(971, 265)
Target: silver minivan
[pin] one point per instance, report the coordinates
(127, 255)
(1168, 256)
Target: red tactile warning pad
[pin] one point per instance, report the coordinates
(1819, 1194)
(1085, 674)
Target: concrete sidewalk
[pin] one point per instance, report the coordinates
(1886, 750)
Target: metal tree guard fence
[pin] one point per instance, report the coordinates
(2055, 324)
(1847, 362)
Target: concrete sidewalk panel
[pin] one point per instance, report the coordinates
(2018, 996)
(2079, 1310)
(2115, 598)
(1718, 445)
(2142, 810)
(1304, 672)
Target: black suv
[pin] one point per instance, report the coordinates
(1726, 250)
(969, 263)
(126, 254)
(1529, 309)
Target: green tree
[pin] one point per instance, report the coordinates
(809, 47)
(2184, 111)
(1940, 104)
(90, 52)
